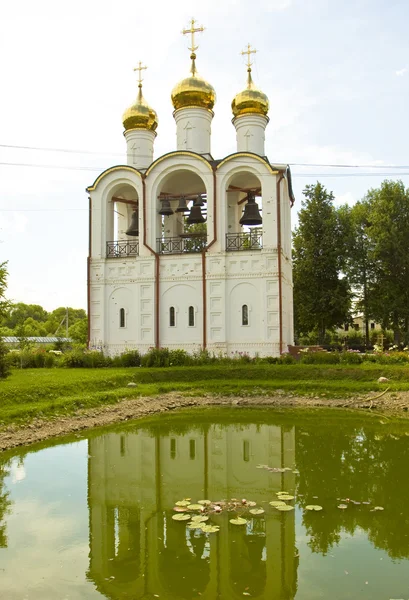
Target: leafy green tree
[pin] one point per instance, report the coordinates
(322, 297)
(19, 312)
(4, 306)
(359, 266)
(388, 231)
(79, 331)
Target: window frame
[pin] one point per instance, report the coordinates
(122, 318)
(245, 315)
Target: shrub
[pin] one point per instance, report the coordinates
(89, 360)
(132, 358)
(320, 358)
(350, 358)
(156, 357)
(179, 358)
(4, 363)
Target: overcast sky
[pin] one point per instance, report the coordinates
(336, 73)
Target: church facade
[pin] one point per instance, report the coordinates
(187, 251)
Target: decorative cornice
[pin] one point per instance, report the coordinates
(92, 187)
(261, 159)
(178, 153)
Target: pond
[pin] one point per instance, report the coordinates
(92, 516)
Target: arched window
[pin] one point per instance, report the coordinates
(244, 314)
(172, 321)
(121, 317)
(191, 316)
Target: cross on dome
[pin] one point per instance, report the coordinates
(140, 68)
(249, 51)
(192, 32)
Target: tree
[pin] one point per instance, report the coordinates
(4, 306)
(388, 231)
(79, 331)
(322, 296)
(359, 266)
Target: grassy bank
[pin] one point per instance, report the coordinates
(34, 393)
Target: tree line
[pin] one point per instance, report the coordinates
(352, 259)
(32, 320)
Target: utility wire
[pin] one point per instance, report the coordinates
(122, 154)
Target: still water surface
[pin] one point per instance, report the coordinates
(91, 517)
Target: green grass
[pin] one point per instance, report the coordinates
(31, 393)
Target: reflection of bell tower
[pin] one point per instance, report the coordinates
(136, 548)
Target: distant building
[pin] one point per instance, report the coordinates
(14, 342)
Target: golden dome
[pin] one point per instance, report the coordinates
(140, 115)
(193, 91)
(250, 101)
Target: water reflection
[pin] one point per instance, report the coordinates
(136, 549)
(357, 464)
(123, 544)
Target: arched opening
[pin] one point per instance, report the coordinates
(122, 222)
(244, 212)
(172, 317)
(182, 213)
(245, 314)
(121, 317)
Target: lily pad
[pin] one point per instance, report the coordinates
(180, 509)
(181, 517)
(313, 507)
(285, 508)
(204, 502)
(342, 506)
(286, 497)
(195, 525)
(281, 493)
(182, 503)
(256, 511)
(276, 503)
(194, 507)
(199, 519)
(238, 521)
(251, 503)
(378, 508)
(210, 528)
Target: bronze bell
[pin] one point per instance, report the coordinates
(133, 228)
(195, 215)
(199, 201)
(251, 214)
(183, 207)
(165, 209)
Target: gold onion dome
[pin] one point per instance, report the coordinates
(140, 115)
(193, 91)
(250, 101)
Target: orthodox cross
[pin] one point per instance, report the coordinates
(140, 68)
(192, 32)
(248, 52)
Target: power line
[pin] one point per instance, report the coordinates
(101, 169)
(295, 164)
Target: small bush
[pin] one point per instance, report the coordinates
(179, 358)
(77, 359)
(350, 358)
(4, 363)
(320, 358)
(132, 358)
(156, 357)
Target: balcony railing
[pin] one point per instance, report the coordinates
(122, 249)
(181, 244)
(253, 240)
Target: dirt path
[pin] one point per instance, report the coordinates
(396, 404)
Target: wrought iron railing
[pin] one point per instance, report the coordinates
(122, 249)
(252, 240)
(179, 245)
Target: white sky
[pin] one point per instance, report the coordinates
(336, 73)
